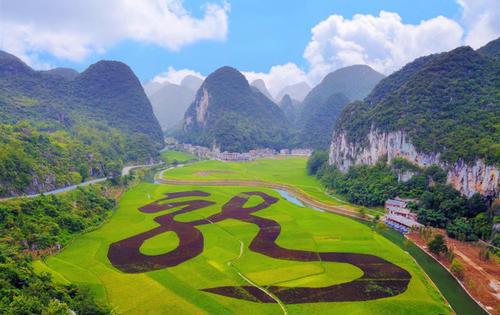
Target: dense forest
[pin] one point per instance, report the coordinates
(33, 160)
(61, 127)
(228, 113)
(438, 205)
(39, 226)
(318, 127)
(447, 103)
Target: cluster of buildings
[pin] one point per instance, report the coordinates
(215, 154)
(398, 216)
(260, 153)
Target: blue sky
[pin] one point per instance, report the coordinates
(261, 34)
(302, 40)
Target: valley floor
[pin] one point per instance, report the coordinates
(229, 255)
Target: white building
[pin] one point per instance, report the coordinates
(399, 216)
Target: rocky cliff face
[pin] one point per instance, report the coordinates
(467, 178)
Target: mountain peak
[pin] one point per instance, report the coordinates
(491, 49)
(11, 65)
(228, 76)
(66, 73)
(114, 76)
(229, 113)
(260, 85)
(354, 71)
(296, 91)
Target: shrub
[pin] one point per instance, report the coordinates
(457, 269)
(437, 245)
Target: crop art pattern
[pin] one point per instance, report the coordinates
(380, 278)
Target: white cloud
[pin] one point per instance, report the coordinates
(74, 29)
(175, 76)
(384, 42)
(278, 77)
(482, 21)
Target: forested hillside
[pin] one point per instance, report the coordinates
(318, 128)
(228, 113)
(59, 130)
(32, 228)
(323, 104)
(446, 103)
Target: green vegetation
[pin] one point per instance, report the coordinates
(324, 103)
(37, 227)
(234, 117)
(457, 268)
(34, 161)
(177, 289)
(176, 157)
(56, 131)
(317, 160)
(446, 103)
(438, 204)
(437, 245)
(449, 287)
(318, 126)
(289, 171)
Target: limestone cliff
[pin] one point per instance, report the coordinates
(468, 178)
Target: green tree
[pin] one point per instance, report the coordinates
(316, 161)
(437, 245)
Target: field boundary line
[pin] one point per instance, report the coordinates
(306, 199)
(263, 290)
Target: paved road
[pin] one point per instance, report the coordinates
(125, 171)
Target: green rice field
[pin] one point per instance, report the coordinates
(226, 260)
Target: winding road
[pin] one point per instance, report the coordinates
(125, 171)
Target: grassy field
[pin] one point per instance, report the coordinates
(169, 156)
(289, 170)
(177, 290)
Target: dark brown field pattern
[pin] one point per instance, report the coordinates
(380, 278)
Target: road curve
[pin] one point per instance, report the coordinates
(125, 171)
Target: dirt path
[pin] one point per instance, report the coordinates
(303, 197)
(482, 278)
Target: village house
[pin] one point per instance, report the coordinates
(302, 152)
(399, 216)
(234, 156)
(259, 153)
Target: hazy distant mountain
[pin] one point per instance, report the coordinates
(355, 82)
(296, 91)
(352, 83)
(67, 73)
(289, 106)
(152, 87)
(191, 82)
(260, 85)
(229, 113)
(170, 101)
